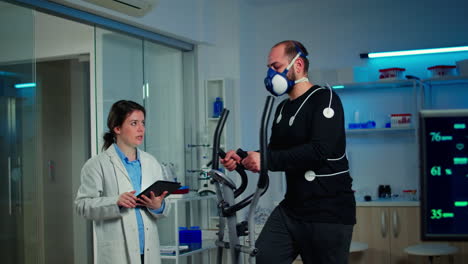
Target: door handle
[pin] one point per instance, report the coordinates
(19, 203)
(10, 211)
(395, 224)
(383, 223)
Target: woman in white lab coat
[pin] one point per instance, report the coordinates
(125, 226)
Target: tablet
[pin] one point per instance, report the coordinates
(159, 187)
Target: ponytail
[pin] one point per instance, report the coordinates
(109, 139)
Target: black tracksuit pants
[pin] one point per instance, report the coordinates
(284, 238)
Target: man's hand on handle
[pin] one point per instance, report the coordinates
(231, 160)
(251, 162)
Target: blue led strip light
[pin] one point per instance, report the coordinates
(413, 52)
(25, 85)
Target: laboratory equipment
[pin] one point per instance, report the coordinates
(206, 187)
(444, 174)
(227, 191)
(391, 74)
(400, 120)
(442, 70)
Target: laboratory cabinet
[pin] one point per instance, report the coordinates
(462, 255)
(388, 230)
(189, 210)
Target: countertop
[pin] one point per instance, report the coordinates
(388, 202)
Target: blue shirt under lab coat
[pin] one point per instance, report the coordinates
(134, 172)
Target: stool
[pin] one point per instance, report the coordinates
(357, 246)
(431, 250)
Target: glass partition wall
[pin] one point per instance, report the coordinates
(18, 139)
(45, 136)
(152, 75)
(58, 80)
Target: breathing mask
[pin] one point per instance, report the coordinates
(277, 83)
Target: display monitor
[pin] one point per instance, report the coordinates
(443, 152)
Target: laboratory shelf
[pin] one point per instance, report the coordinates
(206, 245)
(379, 203)
(382, 84)
(189, 200)
(191, 196)
(380, 130)
(447, 80)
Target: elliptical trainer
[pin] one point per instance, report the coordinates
(226, 192)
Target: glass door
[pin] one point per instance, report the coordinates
(119, 74)
(164, 104)
(17, 136)
(44, 136)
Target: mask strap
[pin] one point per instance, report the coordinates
(303, 79)
(293, 60)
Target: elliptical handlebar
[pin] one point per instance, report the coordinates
(226, 190)
(263, 179)
(240, 170)
(216, 139)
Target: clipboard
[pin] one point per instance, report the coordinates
(159, 187)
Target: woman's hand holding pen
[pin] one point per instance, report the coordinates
(153, 202)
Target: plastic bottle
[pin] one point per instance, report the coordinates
(217, 107)
(356, 117)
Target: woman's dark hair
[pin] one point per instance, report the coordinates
(117, 115)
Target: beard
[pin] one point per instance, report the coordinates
(292, 74)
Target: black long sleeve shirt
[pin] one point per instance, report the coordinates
(313, 143)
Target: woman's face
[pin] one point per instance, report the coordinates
(131, 133)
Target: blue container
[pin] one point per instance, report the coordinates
(354, 125)
(192, 237)
(184, 236)
(217, 107)
(195, 237)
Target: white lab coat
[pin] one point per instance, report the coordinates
(103, 179)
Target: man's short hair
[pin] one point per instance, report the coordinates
(291, 48)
